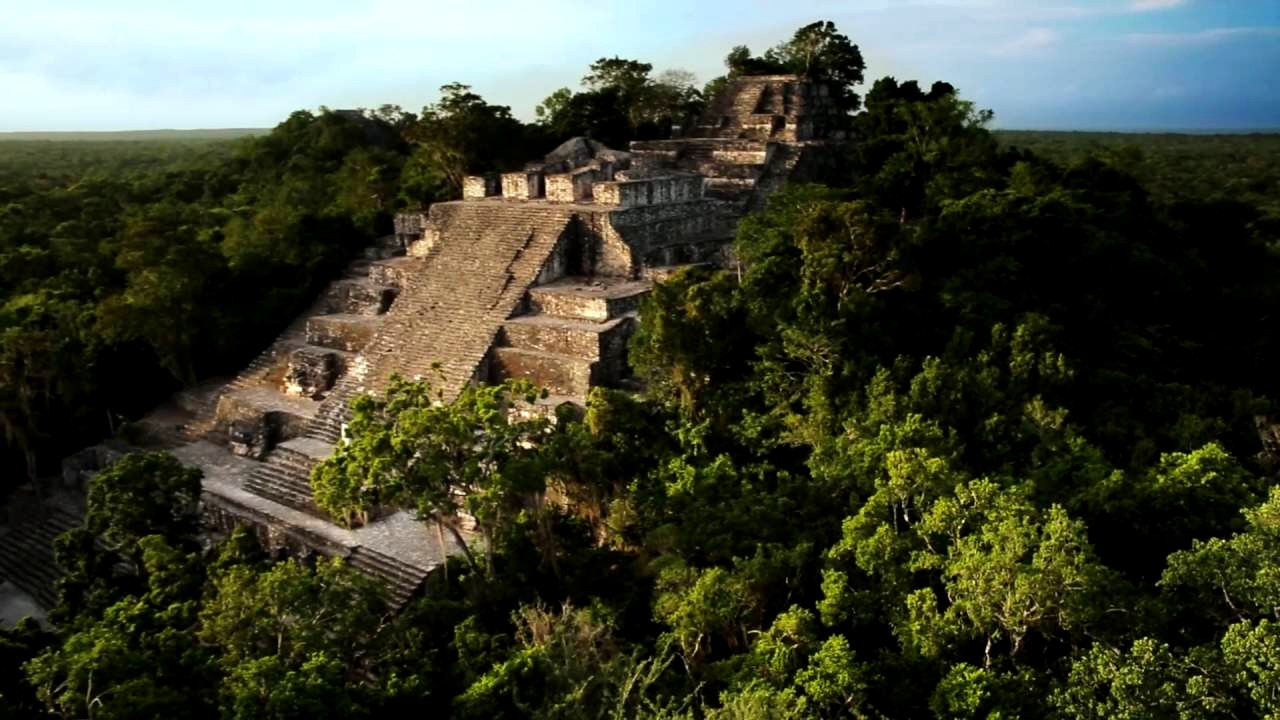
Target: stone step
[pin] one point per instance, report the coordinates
(304, 453)
(328, 434)
(26, 553)
(402, 580)
(587, 299)
(566, 335)
(730, 188)
(342, 331)
(697, 145)
(454, 299)
(558, 374)
(283, 485)
(720, 170)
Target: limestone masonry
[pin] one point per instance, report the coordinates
(535, 274)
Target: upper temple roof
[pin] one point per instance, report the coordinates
(580, 152)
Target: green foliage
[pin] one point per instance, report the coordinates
(472, 454)
(817, 50)
(1173, 167)
(290, 639)
(458, 136)
(126, 263)
(621, 101)
(137, 658)
(966, 434)
(142, 497)
(18, 645)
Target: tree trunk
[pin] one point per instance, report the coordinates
(471, 559)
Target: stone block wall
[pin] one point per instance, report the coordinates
(523, 185)
(408, 227)
(312, 371)
(603, 251)
(475, 187)
(649, 191)
(572, 187)
(561, 261)
(252, 431)
(778, 107)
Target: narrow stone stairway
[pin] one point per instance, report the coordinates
(453, 303)
(26, 551)
(285, 475)
(402, 579)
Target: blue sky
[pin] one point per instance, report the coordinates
(1084, 64)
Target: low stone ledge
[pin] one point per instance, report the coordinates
(341, 331)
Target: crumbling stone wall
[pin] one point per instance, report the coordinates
(782, 107)
(648, 191)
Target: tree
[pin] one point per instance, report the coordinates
(819, 51)
(18, 645)
(621, 102)
(629, 76)
(291, 640)
(462, 134)
(475, 453)
(567, 665)
(139, 657)
(141, 495)
(1145, 680)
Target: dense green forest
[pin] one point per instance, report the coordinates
(1175, 166)
(971, 433)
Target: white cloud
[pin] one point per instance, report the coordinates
(1210, 36)
(1031, 40)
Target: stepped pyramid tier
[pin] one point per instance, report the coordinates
(787, 108)
(536, 274)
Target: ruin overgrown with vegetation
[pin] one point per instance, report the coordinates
(816, 401)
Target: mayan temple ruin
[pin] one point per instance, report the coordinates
(536, 274)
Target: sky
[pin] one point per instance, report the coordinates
(1039, 64)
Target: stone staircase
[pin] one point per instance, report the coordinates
(457, 292)
(366, 288)
(571, 337)
(454, 302)
(26, 552)
(402, 580)
(285, 475)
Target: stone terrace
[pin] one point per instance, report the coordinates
(534, 274)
